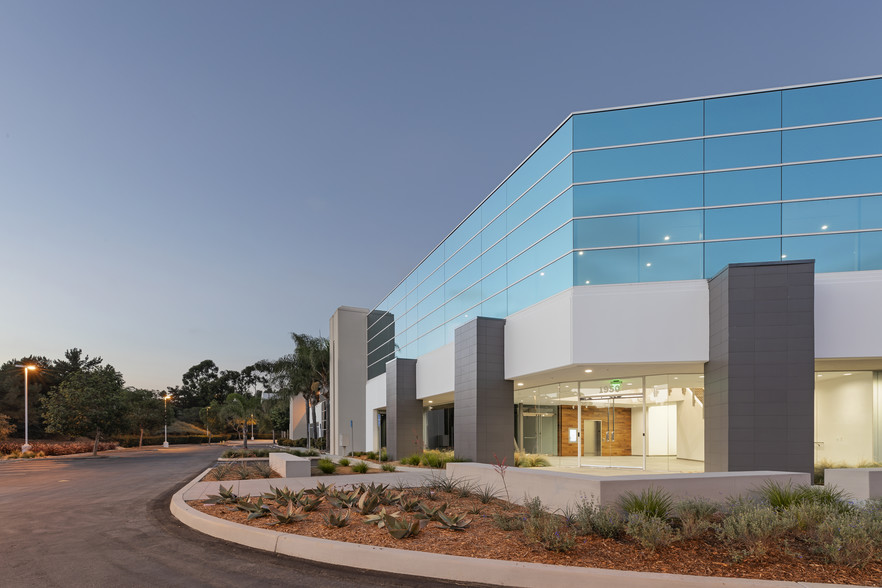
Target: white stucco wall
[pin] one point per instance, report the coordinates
(435, 372)
(375, 397)
(848, 314)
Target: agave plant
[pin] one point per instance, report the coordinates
(291, 514)
(309, 504)
(368, 503)
(373, 488)
(281, 496)
(430, 513)
(452, 522)
(401, 528)
(379, 519)
(255, 509)
(391, 497)
(224, 496)
(408, 504)
(336, 518)
(343, 499)
(321, 489)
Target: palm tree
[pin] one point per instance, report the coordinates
(306, 372)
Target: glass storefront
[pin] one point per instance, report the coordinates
(848, 424)
(653, 423)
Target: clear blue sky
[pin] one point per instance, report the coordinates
(192, 180)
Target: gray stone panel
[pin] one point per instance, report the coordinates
(484, 399)
(759, 394)
(404, 413)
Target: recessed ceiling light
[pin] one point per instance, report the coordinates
(667, 237)
(541, 273)
(430, 402)
(701, 377)
(581, 253)
(588, 371)
(820, 375)
(520, 383)
(783, 256)
(848, 374)
(823, 227)
(648, 265)
(676, 378)
(587, 281)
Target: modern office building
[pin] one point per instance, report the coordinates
(688, 286)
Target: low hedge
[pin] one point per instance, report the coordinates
(56, 448)
(132, 441)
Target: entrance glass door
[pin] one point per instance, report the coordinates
(611, 423)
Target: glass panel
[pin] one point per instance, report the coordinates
(552, 279)
(821, 215)
(536, 423)
(612, 423)
(638, 125)
(632, 162)
(551, 185)
(836, 141)
(871, 212)
(638, 195)
(844, 418)
(545, 158)
(717, 255)
(742, 113)
(835, 178)
(610, 266)
(548, 249)
(670, 262)
(843, 101)
(870, 257)
(742, 151)
(541, 224)
(675, 423)
(742, 221)
(832, 253)
(742, 187)
(637, 229)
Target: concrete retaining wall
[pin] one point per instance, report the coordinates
(559, 490)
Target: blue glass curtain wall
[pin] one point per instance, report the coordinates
(664, 192)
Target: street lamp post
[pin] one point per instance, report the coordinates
(27, 368)
(252, 426)
(165, 418)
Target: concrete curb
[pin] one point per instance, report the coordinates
(439, 566)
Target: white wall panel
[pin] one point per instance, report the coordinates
(375, 397)
(435, 372)
(848, 314)
(539, 337)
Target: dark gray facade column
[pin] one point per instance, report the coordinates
(404, 413)
(759, 380)
(483, 413)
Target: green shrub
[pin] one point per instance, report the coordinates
(550, 532)
(604, 521)
(509, 522)
(327, 466)
(650, 531)
(262, 469)
(343, 461)
(413, 460)
(371, 455)
(850, 538)
(360, 467)
(525, 460)
(388, 467)
(653, 502)
(384, 455)
(695, 516)
(432, 459)
(753, 526)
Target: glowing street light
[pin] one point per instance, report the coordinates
(26, 368)
(252, 426)
(165, 417)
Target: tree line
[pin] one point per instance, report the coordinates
(83, 396)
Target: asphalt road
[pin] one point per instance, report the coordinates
(105, 522)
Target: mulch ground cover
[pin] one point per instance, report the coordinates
(788, 560)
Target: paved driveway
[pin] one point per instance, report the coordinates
(104, 522)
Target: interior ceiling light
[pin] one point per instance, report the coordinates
(581, 253)
(587, 281)
(588, 371)
(520, 383)
(667, 237)
(848, 374)
(648, 265)
(702, 377)
(541, 273)
(783, 256)
(823, 227)
(430, 402)
(820, 375)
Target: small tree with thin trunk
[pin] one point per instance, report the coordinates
(144, 409)
(87, 402)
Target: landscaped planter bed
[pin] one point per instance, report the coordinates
(787, 557)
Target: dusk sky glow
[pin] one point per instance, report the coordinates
(194, 180)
